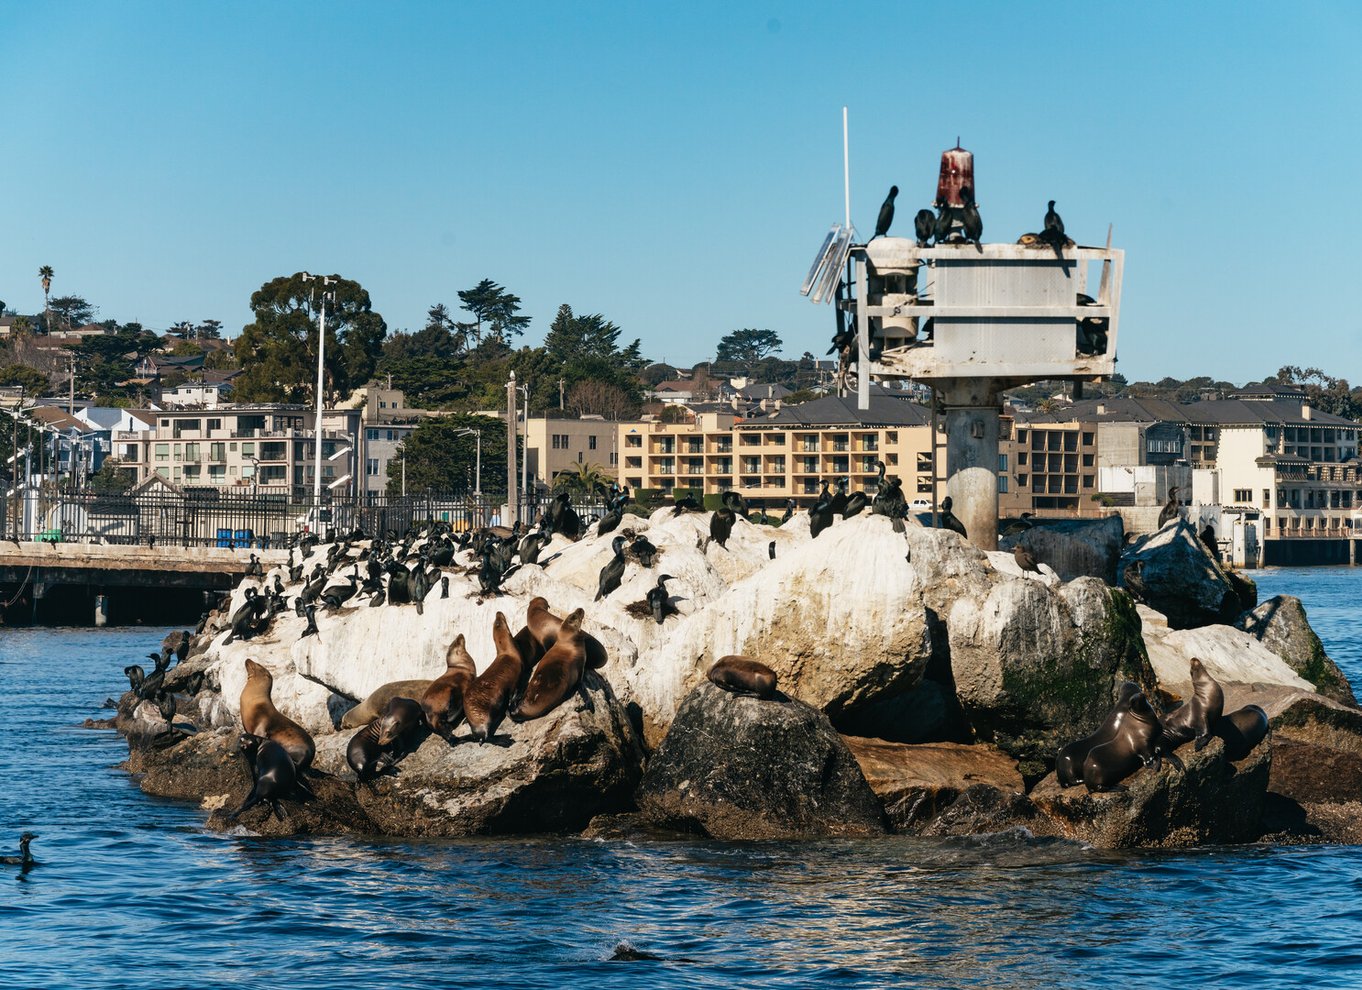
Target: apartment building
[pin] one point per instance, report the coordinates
(787, 454)
(553, 446)
(1047, 464)
(265, 448)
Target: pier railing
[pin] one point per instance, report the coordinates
(235, 520)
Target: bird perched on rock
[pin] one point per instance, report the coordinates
(889, 500)
(1016, 527)
(721, 525)
(820, 516)
(886, 217)
(1172, 509)
(613, 572)
(657, 598)
(644, 550)
(948, 520)
(1026, 560)
(1053, 234)
(789, 510)
(924, 225)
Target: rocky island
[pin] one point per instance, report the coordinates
(924, 687)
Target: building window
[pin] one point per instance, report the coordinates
(371, 467)
(1267, 526)
(215, 424)
(1243, 496)
(614, 458)
(1002, 466)
(163, 451)
(591, 443)
(633, 440)
(1002, 483)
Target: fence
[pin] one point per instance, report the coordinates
(215, 518)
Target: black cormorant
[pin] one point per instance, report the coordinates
(644, 550)
(25, 858)
(886, 217)
(721, 525)
(1171, 509)
(657, 598)
(924, 225)
(613, 572)
(948, 520)
(969, 216)
(820, 516)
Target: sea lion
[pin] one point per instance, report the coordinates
(543, 626)
(530, 651)
(364, 754)
(1197, 716)
(259, 717)
(1241, 730)
(487, 698)
(275, 775)
(556, 676)
(1138, 741)
(743, 675)
(1069, 761)
(443, 700)
(377, 702)
(402, 716)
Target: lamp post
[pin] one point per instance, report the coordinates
(321, 384)
(477, 470)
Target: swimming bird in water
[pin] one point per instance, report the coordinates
(886, 217)
(1026, 560)
(613, 572)
(948, 520)
(1172, 509)
(969, 216)
(25, 858)
(1018, 526)
(657, 598)
(924, 225)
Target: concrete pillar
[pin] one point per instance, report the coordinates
(101, 611)
(972, 410)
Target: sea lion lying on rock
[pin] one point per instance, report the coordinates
(1069, 762)
(555, 677)
(377, 702)
(743, 675)
(1138, 741)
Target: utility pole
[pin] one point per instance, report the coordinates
(321, 384)
(71, 402)
(561, 383)
(512, 497)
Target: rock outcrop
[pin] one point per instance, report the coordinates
(1280, 624)
(916, 783)
(1173, 573)
(1074, 548)
(1230, 655)
(734, 767)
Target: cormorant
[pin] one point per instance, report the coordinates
(944, 216)
(924, 225)
(839, 500)
(771, 549)
(1053, 221)
(311, 629)
(721, 525)
(25, 858)
(856, 501)
(1209, 541)
(889, 500)
(789, 510)
(735, 502)
(644, 550)
(657, 598)
(820, 516)
(948, 520)
(1018, 526)
(1053, 234)
(886, 217)
(969, 216)
(1171, 509)
(613, 572)
(253, 569)
(611, 520)
(687, 504)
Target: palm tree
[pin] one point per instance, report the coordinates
(45, 273)
(582, 478)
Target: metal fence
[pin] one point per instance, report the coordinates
(211, 518)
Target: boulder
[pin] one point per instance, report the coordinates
(1074, 547)
(734, 767)
(1029, 661)
(915, 783)
(1281, 625)
(1213, 801)
(1173, 573)
(1316, 747)
(1230, 655)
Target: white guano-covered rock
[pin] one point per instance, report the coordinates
(1230, 655)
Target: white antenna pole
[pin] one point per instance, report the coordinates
(846, 168)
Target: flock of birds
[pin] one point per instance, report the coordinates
(940, 227)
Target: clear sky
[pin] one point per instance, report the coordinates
(675, 166)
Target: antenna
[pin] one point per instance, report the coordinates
(846, 168)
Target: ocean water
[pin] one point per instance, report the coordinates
(134, 893)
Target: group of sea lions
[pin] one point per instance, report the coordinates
(1134, 734)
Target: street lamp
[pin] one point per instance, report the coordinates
(321, 384)
(477, 472)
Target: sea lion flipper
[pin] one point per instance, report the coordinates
(1177, 763)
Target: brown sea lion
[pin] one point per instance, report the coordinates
(1197, 716)
(556, 676)
(543, 626)
(743, 675)
(1138, 741)
(364, 754)
(443, 700)
(1241, 730)
(1069, 762)
(403, 715)
(259, 717)
(377, 702)
(487, 698)
(530, 654)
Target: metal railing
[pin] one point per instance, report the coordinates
(210, 517)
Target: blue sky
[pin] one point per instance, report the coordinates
(674, 166)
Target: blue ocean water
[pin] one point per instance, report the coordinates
(134, 893)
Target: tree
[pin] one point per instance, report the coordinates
(183, 330)
(73, 311)
(583, 478)
(1325, 392)
(45, 274)
(492, 305)
(747, 346)
(596, 398)
(208, 330)
(279, 349)
(32, 381)
(112, 478)
(439, 458)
